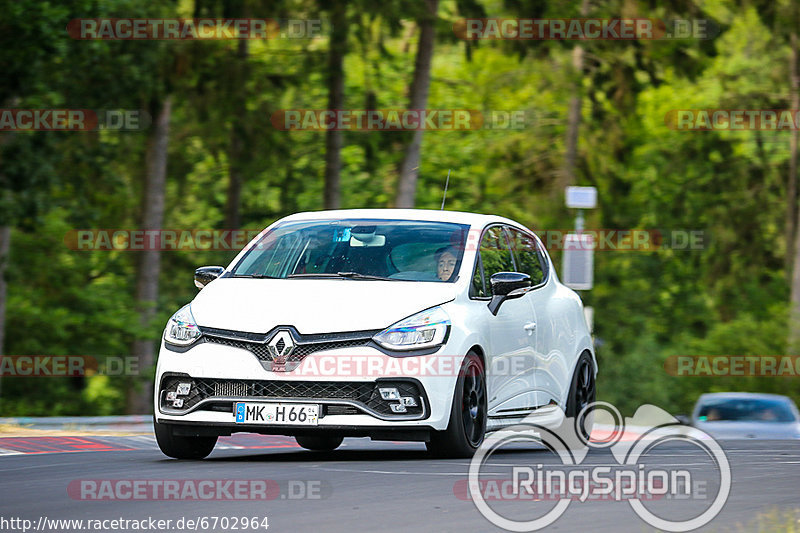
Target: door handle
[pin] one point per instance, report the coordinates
(530, 327)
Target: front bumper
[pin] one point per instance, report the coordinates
(349, 399)
(342, 397)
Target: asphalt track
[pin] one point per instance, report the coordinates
(363, 486)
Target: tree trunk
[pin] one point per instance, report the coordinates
(333, 138)
(233, 201)
(149, 266)
(409, 168)
(370, 155)
(791, 186)
(794, 243)
(794, 315)
(5, 244)
(236, 152)
(574, 115)
(5, 247)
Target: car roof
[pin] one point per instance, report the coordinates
(742, 396)
(431, 215)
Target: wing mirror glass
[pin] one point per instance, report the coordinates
(205, 275)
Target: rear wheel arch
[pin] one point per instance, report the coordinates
(582, 394)
(591, 356)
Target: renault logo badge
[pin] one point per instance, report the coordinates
(281, 346)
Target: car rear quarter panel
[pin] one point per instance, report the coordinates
(565, 335)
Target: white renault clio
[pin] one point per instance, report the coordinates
(432, 326)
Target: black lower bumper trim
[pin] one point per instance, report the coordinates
(190, 429)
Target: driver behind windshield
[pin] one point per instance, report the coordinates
(446, 263)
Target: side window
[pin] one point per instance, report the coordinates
(495, 257)
(528, 259)
(477, 288)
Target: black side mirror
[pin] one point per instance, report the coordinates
(506, 286)
(684, 420)
(205, 275)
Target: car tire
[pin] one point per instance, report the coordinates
(582, 392)
(468, 413)
(319, 443)
(180, 447)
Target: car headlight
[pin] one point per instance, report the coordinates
(181, 328)
(423, 330)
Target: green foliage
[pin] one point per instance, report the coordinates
(726, 298)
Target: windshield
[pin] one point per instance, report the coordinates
(750, 410)
(358, 249)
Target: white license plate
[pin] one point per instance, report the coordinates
(299, 414)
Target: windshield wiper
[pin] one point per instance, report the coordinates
(358, 275)
(255, 276)
(347, 275)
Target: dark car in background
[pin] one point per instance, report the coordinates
(747, 415)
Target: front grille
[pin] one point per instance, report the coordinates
(260, 350)
(230, 388)
(302, 350)
(362, 393)
(257, 344)
(341, 410)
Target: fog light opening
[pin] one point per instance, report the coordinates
(389, 393)
(409, 401)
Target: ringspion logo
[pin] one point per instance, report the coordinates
(639, 476)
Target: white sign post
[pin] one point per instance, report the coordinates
(578, 262)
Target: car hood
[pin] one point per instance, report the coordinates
(750, 430)
(313, 305)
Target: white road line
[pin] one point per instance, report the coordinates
(407, 473)
(3, 451)
(592, 465)
(32, 467)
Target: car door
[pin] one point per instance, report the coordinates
(550, 367)
(511, 357)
